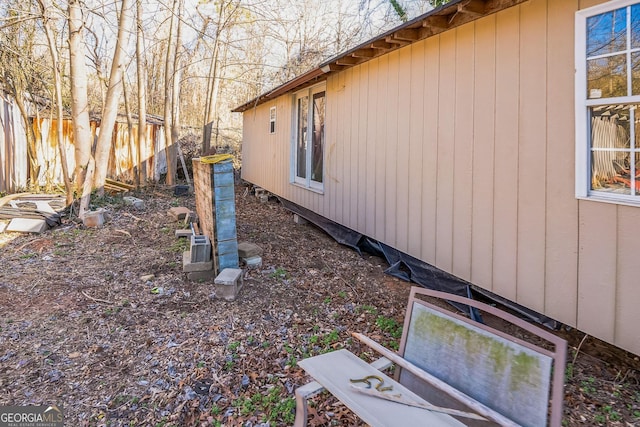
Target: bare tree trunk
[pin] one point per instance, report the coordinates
(86, 187)
(168, 95)
(110, 113)
(175, 96)
(141, 172)
(79, 103)
(212, 86)
(130, 137)
(44, 8)
(228, 9)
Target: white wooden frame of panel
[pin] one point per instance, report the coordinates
(306, 182)
(558, 354)
(272, 120)
(584, 104)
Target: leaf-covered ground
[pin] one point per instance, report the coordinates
(104, 322)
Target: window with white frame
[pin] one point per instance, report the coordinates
(607, 100)
(308, 137)
(272, 120)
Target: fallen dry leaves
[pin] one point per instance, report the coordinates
(104, 322)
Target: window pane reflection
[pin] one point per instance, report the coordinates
(635, 26)
(611, 148)
(607, 77)
(606, 33)
(301, 154)
(318, 136)
(635, 73)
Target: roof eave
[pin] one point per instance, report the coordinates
(436, 21)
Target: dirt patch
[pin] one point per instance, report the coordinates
(79, 326)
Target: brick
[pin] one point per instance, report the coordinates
(228, 283)
(178, 213)
(248, 249)
(188, 266)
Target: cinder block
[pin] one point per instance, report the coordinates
(248, 250)
(185, 232)
(94, 218)
(253, 262)
(188, 266)
(201, 276)
(178, 213)
(133, 201)
(228, 283)
(299, 220)
(181, 190)
(228, 254)
(224, 193)
(200, 249)
(222, 179)
(27, 225)
(223, 167)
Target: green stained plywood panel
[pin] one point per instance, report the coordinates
(497, 372)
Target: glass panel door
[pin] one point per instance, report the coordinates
(301, 138)
(317, 144)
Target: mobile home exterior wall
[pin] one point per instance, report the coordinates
(459, 150)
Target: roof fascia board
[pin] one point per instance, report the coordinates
(446, 17)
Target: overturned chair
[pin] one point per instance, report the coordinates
(449, 371)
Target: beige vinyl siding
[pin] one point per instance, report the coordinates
(463, 152)
(532, 155)
(432, 111)
(415, 169)
(444, 154)
(561, 241)
(505, 196)
(381, 143)
(484, 101)
(626, 298)
(597, 267)
(459, 150)
(403, 184)
(372, 148)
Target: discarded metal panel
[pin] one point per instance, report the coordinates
(34, 212)
(13, 148)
